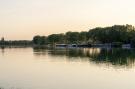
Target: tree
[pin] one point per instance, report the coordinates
(56, 38)
(116, 33)
(72, 37)
(40, 40)
(83, 36)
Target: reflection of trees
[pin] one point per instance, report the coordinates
(39, 51)
(77, 52)
(112, 56)
(115, 56)
(2, 49)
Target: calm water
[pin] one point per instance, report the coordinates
(28, 68)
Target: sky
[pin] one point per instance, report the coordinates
(23, 19)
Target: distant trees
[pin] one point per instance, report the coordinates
(67, 38)
(16, 43)
(116, 33)
(72, 37)
(83, 36)
(56, 38)
(40, 40)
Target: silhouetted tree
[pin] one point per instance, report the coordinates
(40, 40)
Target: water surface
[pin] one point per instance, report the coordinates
(81, 68)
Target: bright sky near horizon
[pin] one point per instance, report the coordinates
(22, 19)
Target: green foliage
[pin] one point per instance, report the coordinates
(56, 38)
(39, 40)
(72, 37)
(114, 34)
(83, 36)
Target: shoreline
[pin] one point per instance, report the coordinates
(126, 46)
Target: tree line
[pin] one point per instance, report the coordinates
(67, 38)
(120, 34)
(124, 34)
(4, 42)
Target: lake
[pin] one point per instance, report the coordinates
(60, 68)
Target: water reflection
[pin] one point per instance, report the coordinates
(2, 50)
(79, 68)
(116, 57)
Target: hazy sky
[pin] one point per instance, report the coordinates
(22, 19)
